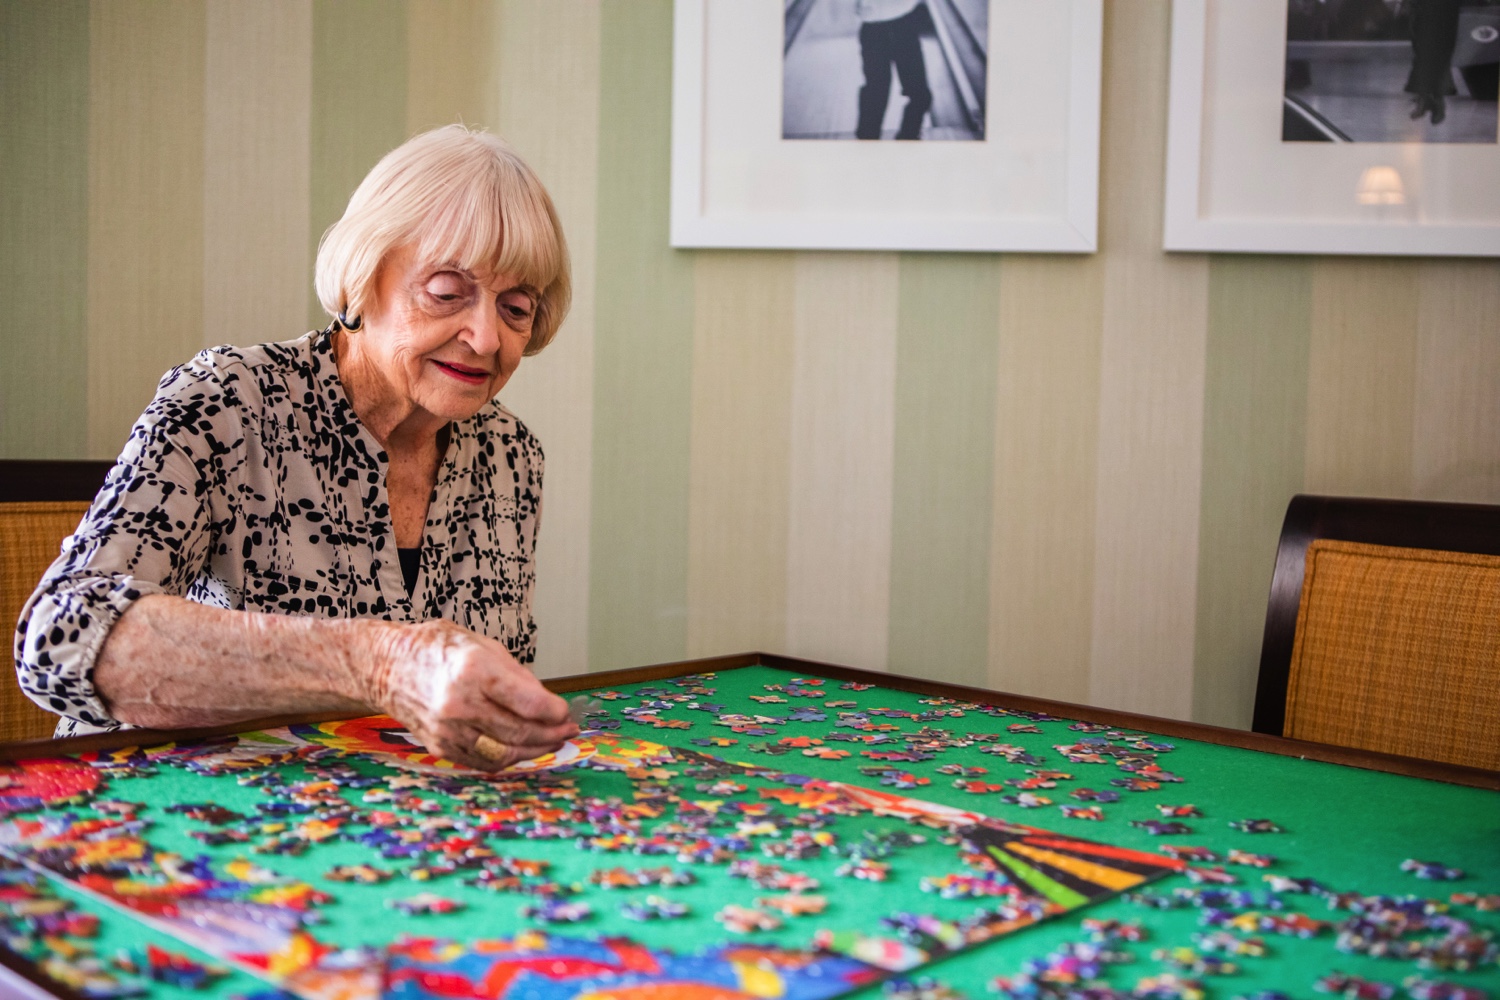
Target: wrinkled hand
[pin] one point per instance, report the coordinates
(450, 686)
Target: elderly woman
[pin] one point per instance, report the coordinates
(345, 521)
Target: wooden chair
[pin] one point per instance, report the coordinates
(1383, 629)
(40, 505)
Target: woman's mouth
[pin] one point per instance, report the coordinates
(464, 373)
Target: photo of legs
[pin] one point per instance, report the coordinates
(885, 69)
(1391, 71)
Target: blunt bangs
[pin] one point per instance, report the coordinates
(457, 196)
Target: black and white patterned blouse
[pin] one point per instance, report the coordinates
(249, 483)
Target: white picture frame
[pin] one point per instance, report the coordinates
(1233, 185)
(1032, 184)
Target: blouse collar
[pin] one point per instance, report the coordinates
(355, 445)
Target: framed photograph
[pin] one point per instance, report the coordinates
(886, 124)
(1334, 126)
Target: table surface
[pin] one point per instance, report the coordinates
(1347, 827)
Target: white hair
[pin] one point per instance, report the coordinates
(456, 195)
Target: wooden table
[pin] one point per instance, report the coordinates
(1350, 816)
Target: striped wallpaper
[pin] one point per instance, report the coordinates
(1056, 475)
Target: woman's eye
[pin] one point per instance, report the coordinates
(518, 309)
(447, 288)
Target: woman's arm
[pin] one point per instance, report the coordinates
(147, 532)
(108, 636)
(169, 662)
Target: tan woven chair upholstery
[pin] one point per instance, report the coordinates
(31, 535)
(1383, 629)
(1398, 650)
(41, 502)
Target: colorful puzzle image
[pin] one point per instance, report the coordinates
(543, 966)
(38, 783)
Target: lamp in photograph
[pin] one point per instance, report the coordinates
(1380, 185)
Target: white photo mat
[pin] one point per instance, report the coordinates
(1031, 185)
(1232, 184)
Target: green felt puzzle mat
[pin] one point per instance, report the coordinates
(749, 833)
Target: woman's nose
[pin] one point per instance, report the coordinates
(483, 329)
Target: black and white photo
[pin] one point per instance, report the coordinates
(1333, 127)
(865, 124)
(885, 69)
(1391, 71)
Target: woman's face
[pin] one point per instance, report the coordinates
(445, 338)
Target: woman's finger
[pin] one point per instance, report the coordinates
(530, 752)
(496, 753)
(508, 727)
(503, 726)
(456, 742)
(508, 683)
(485, 747)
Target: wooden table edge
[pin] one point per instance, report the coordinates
(23, 979)
(1370, 760)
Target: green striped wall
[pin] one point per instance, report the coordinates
(942, 480)
(1061, 476)
(358, 105)
(643, 355)
(146, 140)
(1254, 415)
(44, 109)
(257, 168)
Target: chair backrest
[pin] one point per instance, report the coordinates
(1383, 629)
(40, 505)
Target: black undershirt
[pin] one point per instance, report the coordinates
(411, 560)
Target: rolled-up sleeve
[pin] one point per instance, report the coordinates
(147, 532)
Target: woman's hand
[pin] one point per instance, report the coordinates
(171, 663)
(450, 687)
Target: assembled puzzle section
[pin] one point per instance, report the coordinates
(761, 841)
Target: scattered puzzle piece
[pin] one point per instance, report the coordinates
(746, 920)
(1254, 826)
(1082, 812)
(425, 902)
(1431, 870)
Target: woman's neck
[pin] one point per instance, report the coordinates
(414, 440)
(396, 422)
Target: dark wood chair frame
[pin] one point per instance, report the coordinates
(25, 480)
(28, 481)
(1450, 527)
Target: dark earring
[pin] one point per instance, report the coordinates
(348, 324)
